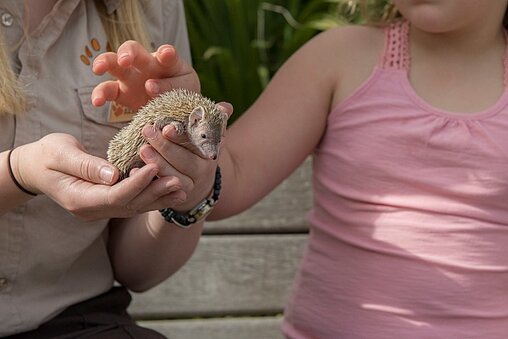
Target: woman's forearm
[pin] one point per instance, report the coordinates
(145, 249)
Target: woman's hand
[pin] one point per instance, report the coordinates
(141, 75)
(84, 185)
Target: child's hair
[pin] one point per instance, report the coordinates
(380, 12)
(375, 12)
(125, 23)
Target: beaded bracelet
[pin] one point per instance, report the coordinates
(185, 220)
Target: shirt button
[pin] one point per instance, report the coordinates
(3, 283)
(7, 19)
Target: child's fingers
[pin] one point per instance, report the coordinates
(226, 107)
(151, 156)
(105, 91)
(170, 133)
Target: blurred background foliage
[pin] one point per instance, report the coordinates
(238, 45)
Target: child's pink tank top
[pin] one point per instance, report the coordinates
(409, 235)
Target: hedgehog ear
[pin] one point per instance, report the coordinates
(196, 115)
(225, 118)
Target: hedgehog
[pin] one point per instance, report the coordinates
(189, 112)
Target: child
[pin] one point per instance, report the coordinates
(408, 127)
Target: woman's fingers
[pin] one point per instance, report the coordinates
(108, 63)
(174, 73)
(132, 54)
(84, 184)
(73, 160)
(105, 91)
(59, 153)
(142, 192)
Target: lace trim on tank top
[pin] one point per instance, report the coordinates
(397, 56)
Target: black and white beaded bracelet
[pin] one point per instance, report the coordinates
(185, 220)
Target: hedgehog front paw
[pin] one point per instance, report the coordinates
(179, 127)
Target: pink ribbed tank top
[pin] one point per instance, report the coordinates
(409, 228)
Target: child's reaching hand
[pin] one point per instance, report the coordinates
(141, 75)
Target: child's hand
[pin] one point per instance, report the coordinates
(141, 75)
(195, 174)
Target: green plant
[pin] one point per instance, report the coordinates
(238, 45)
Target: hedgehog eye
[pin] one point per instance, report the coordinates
(203, 135)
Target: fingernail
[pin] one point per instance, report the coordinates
(97, 100)
(123, 56)
(167, 48)
(97, 61)
(148, 153)
(154, 87)
(106, 174)
(150, 132)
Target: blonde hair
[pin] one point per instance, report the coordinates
(12, 94)
(382, 12)
(125, 23)
(375, 12)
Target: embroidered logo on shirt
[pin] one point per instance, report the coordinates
(96, 46)
(119, 113)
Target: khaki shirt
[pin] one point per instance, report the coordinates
(49, 259)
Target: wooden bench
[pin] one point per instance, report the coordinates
(237, 282)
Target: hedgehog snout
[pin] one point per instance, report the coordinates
(212, 155)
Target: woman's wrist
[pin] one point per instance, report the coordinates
(13, 165)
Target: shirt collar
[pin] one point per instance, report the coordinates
(111, 5)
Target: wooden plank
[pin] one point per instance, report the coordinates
(227, 275)
(219, 328)
(283, 210)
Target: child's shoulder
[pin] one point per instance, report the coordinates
(355, 33)
(350, 46)
(352, 53)
(352, 41)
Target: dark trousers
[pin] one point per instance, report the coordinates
(102, 317)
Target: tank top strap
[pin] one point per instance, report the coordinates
(396, 51)
(506, 60)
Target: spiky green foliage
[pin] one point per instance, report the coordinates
(238, 45)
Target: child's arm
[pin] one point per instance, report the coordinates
(285, 124)
(138, 71)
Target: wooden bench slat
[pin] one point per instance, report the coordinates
(227, 275)
(220, 328)
(282, 211)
